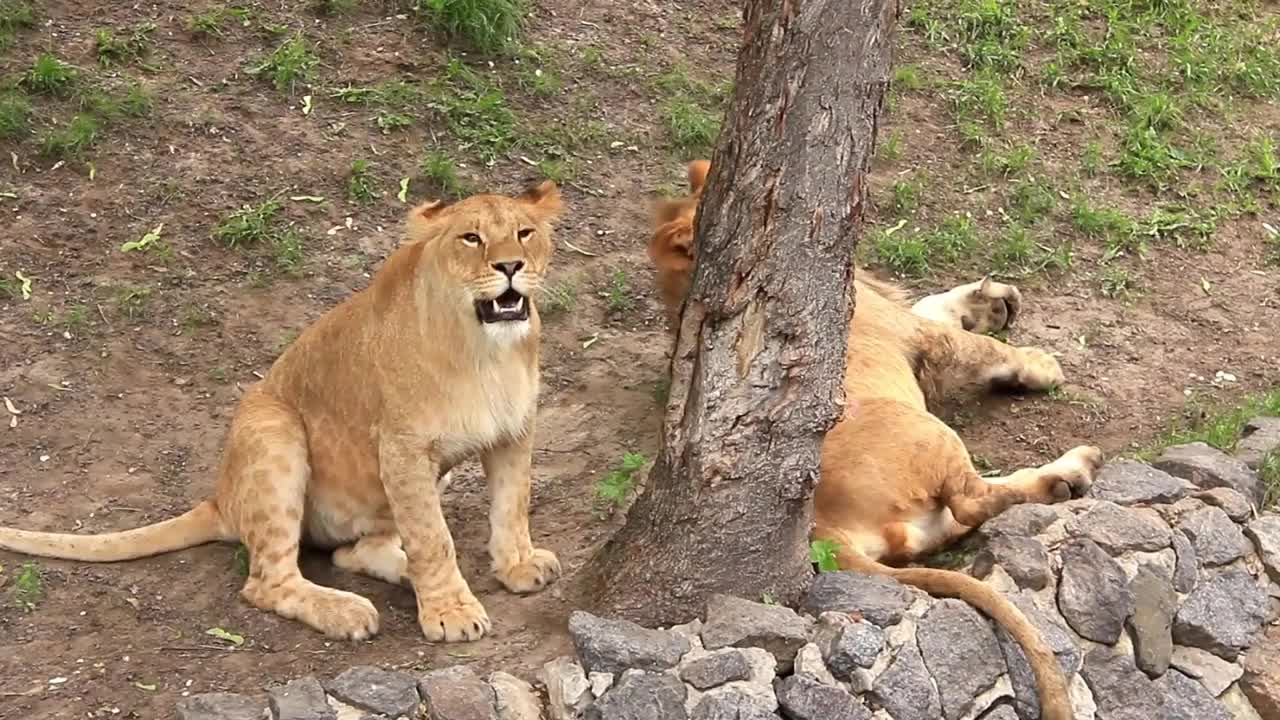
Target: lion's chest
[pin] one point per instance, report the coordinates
(496, 405)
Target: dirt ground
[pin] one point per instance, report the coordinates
(124, 396)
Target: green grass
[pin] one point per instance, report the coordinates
(287, 251)
(131, 300)
(1271, 246)
(72, 139)
(28, 586)
(1219, 426)
(615, 487)
(560, 171)
(120, 47)
(289, 64)
(333, 7)
(14, 15)
(915, 253)
(251, 225)
(475, 110)
(487, 25)
(692, 128)
(15, 115)
(1116, 283)
(1031, 201)
(618, 297)
(50, 76)
(558, 299)
(1013, 161)
(908, 193)
(1269, 473)
(213, 22)
(441, 170)
(361, 183)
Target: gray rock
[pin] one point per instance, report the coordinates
(1217, 540)
(1185, 568)
(302, 699)
(1261, 681)
(600, 682)
(219, 706)
(1127, 482)
(809, 663)
(1024, 559)
(1260, 436)
(605, 645)
(1186, 699)
(1120, 690)
(961, 652)
(457, 693)
(804, 699)
(1059, 639)
(857, 645)
(716, 668)
(1118, 530)
(1026, 520)
(1208, 467)
(1223, 614)
(1265, 534)
(642, 695)
(1000, 712)
(729, 706)
(880, 600)
(1212, 671)
(734, 622)
(514, 698)
(376, 690)
(1151, 623)
(905, 688)
(1093, 595)
(568, 692)
(1235, 505)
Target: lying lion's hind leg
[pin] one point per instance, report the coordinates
(977, 500)
(379, 556)
(264, 484)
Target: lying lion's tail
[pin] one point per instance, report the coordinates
(197, 526)
(1055, 702)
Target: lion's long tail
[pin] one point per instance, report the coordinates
(1055, 702)
(197, 526)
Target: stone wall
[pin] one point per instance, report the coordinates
(1157, 594)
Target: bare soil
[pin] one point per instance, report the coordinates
(124, 405)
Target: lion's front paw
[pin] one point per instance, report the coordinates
(460, 618)
(1073, 473)
(1040, 370)
(536, 572)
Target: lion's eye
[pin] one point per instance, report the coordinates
(471, 240)
(524, 233)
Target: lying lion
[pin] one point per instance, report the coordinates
(896, 482)
(342, 444)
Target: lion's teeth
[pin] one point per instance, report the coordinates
(520, 304)
(496, 307)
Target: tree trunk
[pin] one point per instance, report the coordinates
(757, 371)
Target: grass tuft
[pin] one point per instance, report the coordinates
(289, 64)
(488, 25)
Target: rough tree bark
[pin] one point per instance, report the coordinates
(757, 371)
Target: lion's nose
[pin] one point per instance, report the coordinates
(509, 268)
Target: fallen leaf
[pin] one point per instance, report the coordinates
(93, 172)
(26, 284)
(306, 104)
(221, 634)
(591, 341)
(1204, 285)
(144, 686)
(307, 198)
(404, 190)
(144, 241)
(8, 405)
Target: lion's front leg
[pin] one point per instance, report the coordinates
(447, 610)
(520, 566)
(956, 358)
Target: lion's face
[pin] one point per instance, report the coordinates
(671, 248)
(493, 252)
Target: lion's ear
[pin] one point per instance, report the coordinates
(543, 199)
(422, 215)
(698, 170)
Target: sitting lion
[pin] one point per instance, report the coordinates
(896, 482)
(342, 443)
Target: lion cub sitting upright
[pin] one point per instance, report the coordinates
(343, 442)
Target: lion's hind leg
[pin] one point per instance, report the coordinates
(379, 556)
(975, 500)
(262, 493)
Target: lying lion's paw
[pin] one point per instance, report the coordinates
(1040, 370)
(1074, 471)
(533, 574)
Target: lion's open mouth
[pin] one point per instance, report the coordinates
(510, 306)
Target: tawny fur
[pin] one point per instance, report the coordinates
(342, 444)
(896, 482)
